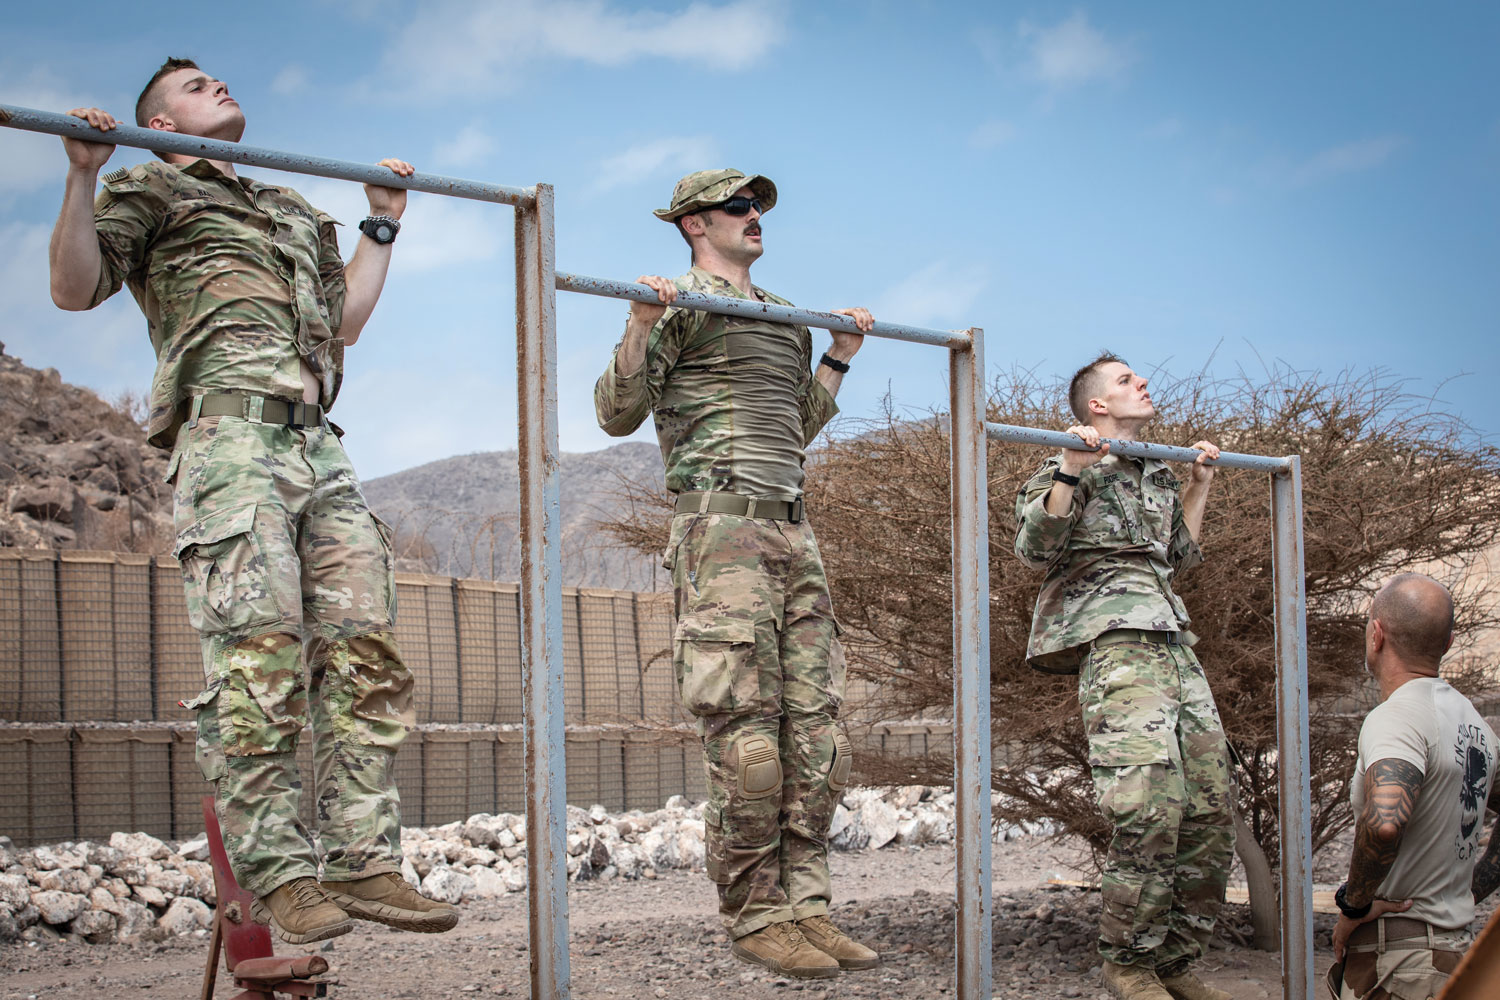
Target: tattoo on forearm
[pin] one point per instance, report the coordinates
(1391, 789)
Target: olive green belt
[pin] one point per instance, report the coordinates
(734, 503)
(272, 411)
(1118, 635)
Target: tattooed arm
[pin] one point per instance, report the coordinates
(1487, 868)
(1391, 790)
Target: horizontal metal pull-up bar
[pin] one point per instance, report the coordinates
(1135, 449)
(159, 141)
(726, 306)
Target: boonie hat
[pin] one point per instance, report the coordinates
(710, 187)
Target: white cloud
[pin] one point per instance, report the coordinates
(468, 43)
(292, 80)
(470, 146)
(1073, 53)
(436, 231)
(938, 295)
(32, 159)
(992, 133)
(105, 348)
(674, 154)
(1351, 157)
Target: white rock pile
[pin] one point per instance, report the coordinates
(135, 887)
(138, 887)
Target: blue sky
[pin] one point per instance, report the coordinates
(1312, 184)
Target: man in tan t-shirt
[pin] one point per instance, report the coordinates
(1425, 772)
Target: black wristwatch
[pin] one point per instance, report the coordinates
(1059, 476)
(838, 366)
(380, 228)
(1352, 912)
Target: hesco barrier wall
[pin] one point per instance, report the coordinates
(104, 637)
(61, 781)
(96, 652)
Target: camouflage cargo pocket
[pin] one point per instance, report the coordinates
(263, 698)
(388, 542)
(208, 750)
(838, 670)
(1117, 912)
(224, 573)
(713, 845)
(715, 663)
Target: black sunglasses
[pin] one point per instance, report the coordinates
(737, 206)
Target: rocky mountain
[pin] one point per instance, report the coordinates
(460, 516)
(76, 472)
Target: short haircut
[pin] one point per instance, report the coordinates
(1086, 385)
(150, 103)
(682, 231)
(1416, 613)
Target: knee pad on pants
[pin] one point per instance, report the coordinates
(757, 767)
(843, 761)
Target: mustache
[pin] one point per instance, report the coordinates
(752, 229)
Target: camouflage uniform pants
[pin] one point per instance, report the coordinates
(758, 662)
(1161, 771)
(279, 552)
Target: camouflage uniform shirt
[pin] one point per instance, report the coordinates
(1109, 560)
(239, 281)
(734, 398)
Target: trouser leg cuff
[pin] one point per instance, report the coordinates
(752, 924)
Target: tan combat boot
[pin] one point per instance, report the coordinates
(388, 899)
(782, 948)
(1186, 986)
(301, 911)
(824, 936)
(1133, 982)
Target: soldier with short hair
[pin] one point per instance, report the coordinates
(756, 648)
(1112, 532)
(1426, 771)
(249, 308)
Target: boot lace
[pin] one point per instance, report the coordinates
(823, 925)
(789, 934)
(306, 893)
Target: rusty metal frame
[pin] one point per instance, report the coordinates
(541, 596)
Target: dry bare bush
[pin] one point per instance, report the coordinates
(1390, 482)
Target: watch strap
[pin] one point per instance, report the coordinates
(839, 366)
(1352, 912)
(1059, 476)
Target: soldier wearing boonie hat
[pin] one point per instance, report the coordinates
(756, 650)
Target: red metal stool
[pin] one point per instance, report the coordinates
(248, 954)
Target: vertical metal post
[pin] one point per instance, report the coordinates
(541, 597)
(971, 667)
(1292, 735)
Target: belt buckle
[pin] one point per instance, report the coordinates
(794, 511)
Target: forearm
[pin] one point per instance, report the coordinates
(1194, 503)
(364, 278)
(631, 353)
(1487, 869)
(1391, 790)
(73, 254)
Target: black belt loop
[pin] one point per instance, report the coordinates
(795, 516)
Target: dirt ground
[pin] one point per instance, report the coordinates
(660, 939)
